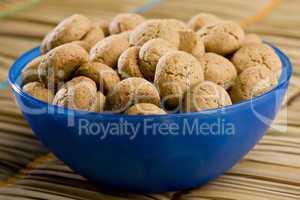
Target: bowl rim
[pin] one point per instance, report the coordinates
(286, 64)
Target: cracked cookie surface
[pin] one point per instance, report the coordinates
(39, 91)
(104, 76)
(108, 50)
(70, 29)
(223, 37)
(58, 65)
(254, 54)
(149, 55)
(128, 63)
(125, 22)
(219, 70)
(253, 82)
(176, 71)
(205, 95)
(131, 91)
(202, 19)
(78, 93)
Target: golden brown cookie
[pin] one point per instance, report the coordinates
(125, 22)
(30, 72)
(145, 109)
(128, 63)
(219, 70)
(202, 19)
(108, 50)
(60, 63)
(70, 29)
(39, 91)
(223, 38)
(104, 76)
(254, 54)
(191, 43)
(94, 35)
(205, 95)
(176, 72)
(149, 55)
(155, 28)
(78, 93)
(253, 82)
(131, 91)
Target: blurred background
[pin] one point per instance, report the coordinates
(29, 171)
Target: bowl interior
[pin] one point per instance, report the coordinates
(20, 63)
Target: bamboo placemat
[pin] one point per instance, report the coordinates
(28, 171)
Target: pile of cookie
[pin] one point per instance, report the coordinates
(145, 66)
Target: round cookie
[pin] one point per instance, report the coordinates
(30, 72)
(145, 109)
(219, 70)
(223, 38)
(108, 50)
(149, 55)
(205, 95)
(104, 76)
(156, 28)
(78, 93)
(94, 35)
(176, 72)
(131, 91)
(202, 19)
(253, 82)
(39, 91)
(254, 54)
(125, 22)
(128, 63)
(58, 65)
(70, 29)
(191, 43)
(252, 38)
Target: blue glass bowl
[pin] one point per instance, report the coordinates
(150, 153)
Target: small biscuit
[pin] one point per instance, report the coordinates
(131, 91)
(108, 50)
(156, 28)
(30, 72)
(104, 76)
(70, 29)
(191, 43)
(223, 38)
(254, 54)
(149, 55)
(219, 70)
(125, 22)
(58, 65)
(202, 19)
(94, 35)
(205, 95)
(145, 109)
(128, 63)
(78, 93)
(253, 82)
(39, 91)
(176, 72)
